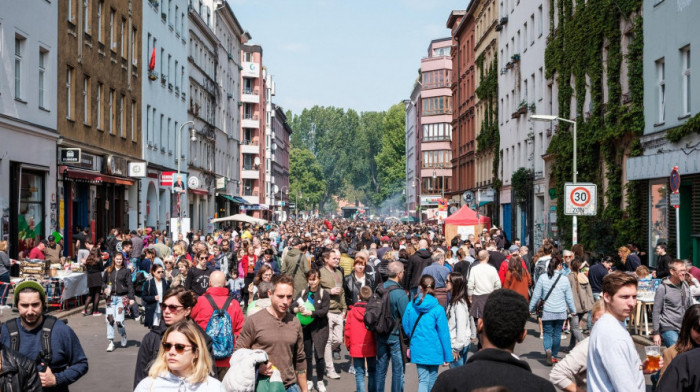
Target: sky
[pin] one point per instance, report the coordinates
(354, 54)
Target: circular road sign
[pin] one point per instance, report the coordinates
(675, 179)
(580, 196)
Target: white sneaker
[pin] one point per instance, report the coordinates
(351, 370)
(309, 385)
(332, 375)
(320, 387)
(110, 348)
(123, 342)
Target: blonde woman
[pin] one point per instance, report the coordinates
(183, 363)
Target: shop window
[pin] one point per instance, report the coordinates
(31, 210)
(658, 218)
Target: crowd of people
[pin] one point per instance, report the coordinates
(292, 295)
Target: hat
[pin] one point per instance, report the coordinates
(30, 284)
(51, 238)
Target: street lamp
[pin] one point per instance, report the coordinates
(179, 158)
(551, 117)
(418, 209)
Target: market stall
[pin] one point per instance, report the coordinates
(465, 222)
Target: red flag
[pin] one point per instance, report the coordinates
(152, 64)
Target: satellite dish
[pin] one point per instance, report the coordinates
(256, 161)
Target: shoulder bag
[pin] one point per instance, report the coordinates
(539, 308)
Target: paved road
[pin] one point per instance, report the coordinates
(114, 372)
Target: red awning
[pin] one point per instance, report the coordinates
(92, 176)
(199, 192)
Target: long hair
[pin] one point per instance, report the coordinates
(427, 286)
(259, 276)
(515, 266)
(112, 266)
(459, 288)
(554, 263)
(691, 320)
(202, 363)
(94, 257)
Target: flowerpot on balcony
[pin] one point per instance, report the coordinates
(522, 110)
(152, 76)
(515, 114)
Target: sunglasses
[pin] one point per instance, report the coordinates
(158, 272)
(179, 348)
(202, 258)
(171, 308)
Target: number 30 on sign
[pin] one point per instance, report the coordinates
(580, 199)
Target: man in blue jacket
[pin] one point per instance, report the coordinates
(389, 346)
(66, 362)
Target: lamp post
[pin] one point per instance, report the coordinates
(418, 209)
(179, 158)
(551, 117)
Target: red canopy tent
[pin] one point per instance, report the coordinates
(465, 222)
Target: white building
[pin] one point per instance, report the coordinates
(522, 92)
(164, 110)
(203, 94)
(28, 57)
(269, 145)
(412, 147)
(230, 36)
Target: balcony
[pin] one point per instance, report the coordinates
(250, 96)
(252, 199)
(250, 121)
(250, 148)
(250, 173)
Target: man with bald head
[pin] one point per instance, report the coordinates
(416, 264)
(216, 298)
(483, 280)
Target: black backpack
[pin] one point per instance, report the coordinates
(378, 317)
(45, 354)
(139, 280)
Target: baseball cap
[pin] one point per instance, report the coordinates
(30, 284)
(51, 238)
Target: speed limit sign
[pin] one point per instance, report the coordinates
(581, 199)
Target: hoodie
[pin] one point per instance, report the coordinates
(359, 341)
(416, 263)
(167, 381)
(670, 304)
(430, 343)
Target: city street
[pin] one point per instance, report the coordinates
(114, 371)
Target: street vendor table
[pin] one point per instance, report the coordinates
(71, 285)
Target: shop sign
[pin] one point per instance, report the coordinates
(251, 70)
(69, 156)
(193, 182)
(221, 183)
(166, 178)
(430, 200)
(115, 166)
(137, 169)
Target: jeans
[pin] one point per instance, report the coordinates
(552, 335)
(335, 339)
(359, 365)
(115, 311)
(5, 287)
(389, 348)
(576, 334)
(293, 388)
(669, 338)
(462, 358)
(427, 374)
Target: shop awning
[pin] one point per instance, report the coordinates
(79, 174)
(234, 199)
(202, 192)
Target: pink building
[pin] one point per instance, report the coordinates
(435, 137)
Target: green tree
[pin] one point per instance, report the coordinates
(391, 160)
(306, 183)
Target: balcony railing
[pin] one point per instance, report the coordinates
(250, 91)
(248, 116)
(248, 192)
(249, 142)
(436, 112)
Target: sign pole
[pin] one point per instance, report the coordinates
(675, 183)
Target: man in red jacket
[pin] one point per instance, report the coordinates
(202, 312)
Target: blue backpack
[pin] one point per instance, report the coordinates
(220, 329)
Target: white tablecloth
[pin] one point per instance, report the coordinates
(74, 285)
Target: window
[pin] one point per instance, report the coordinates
(160, 133)
(133, 121)
(162, 53)
(71, 10)
(134, 47)
(171, 140)
(540, 20)
(112, 43)
(525, 36)
(43, 55)
(440, 131)
(122, 37)
(110, 106)
(437, 105)
(660, 90)
(100, 37)
(122, 117)
(86, 16)
(69, 102)
(177, 13)
(148, 124)
(658, 217)
(685, 75)
(540, 87)
(98, 102)
(19, 48)
(86, 100)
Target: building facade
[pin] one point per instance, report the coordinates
(413, 109)
(485, 13)
(280, 146)
(435, 134)
(230, 36)
(29, 210)
(165, 126)
(523, 142)
(669, 111)
(461, 25)
(203, 97)
(98, 114)
(268, 146)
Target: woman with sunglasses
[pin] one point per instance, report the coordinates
(119, 291)
(169, 273)
(265, 274)
(177, 306)
(152, 296)
(183, 363)
(315, 332)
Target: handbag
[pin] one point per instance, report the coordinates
(539, 308)
(407, 342)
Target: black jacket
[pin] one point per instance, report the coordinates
(662, 266)
(351, 287)
(121, 282)
(489, 368)
(150, 290)
(317, 330)
(148, 351)
(19, 373)
(682, 374)
(416, 263)
(496, 258)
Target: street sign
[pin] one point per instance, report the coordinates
(675, 200)
(675, 180)
(468, 197)
(581, 199)
(69, 155)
